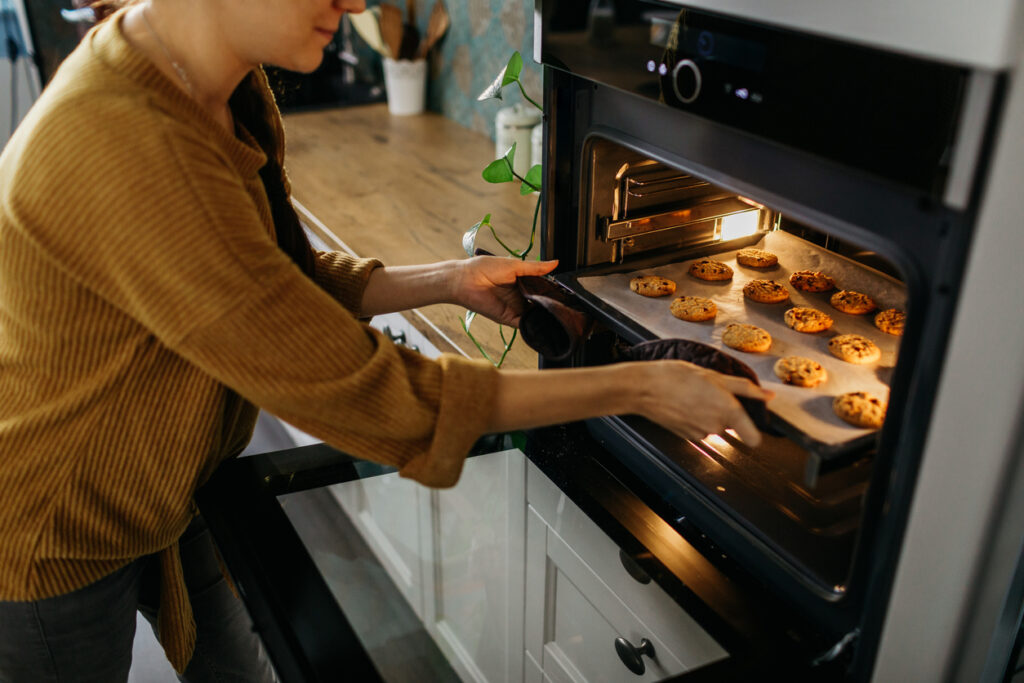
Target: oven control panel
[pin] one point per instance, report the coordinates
(888, 114)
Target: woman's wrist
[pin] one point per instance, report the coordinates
(452, 286)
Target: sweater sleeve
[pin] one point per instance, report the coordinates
(344, 277)
(174, 239)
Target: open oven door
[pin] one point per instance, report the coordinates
(502, 573)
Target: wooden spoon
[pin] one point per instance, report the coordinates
(391, 28)
(436, 26)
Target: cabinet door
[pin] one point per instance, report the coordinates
(579, 600)
(392, 515)
(476, 560)
(574, 618)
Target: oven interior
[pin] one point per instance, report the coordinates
(802, 491)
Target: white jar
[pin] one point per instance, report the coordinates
(406, 85)
(514, 125)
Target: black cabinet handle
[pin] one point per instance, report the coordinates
(632, 568)
(632, 656)
(396, 337)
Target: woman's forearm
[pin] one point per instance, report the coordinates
(400, 288)
(688, 400)
(531, 398)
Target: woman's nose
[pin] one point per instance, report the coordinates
(350, 6)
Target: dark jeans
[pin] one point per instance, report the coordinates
(86, 636)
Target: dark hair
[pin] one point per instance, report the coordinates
(252, 111)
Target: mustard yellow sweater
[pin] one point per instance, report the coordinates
(145, 311)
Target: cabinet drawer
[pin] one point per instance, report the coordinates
(662, 617)
(575, 619)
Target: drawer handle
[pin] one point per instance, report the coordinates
(633, 569)
(632, 656)
(396, 337)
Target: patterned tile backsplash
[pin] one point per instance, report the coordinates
(482, 36)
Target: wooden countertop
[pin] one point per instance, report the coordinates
(404, 189)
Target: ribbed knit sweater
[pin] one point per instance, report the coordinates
(145, 310)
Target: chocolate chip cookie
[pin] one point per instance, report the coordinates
(860, 409)
(853, 348)
(854, 303)
(756, 258)
(765, 291)
(802, 372)
(748, 338)
(811, 281)
(652, 285)
(710, 269)
(891, 321)
(693, 308)
(809, 320)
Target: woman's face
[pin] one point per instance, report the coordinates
(291, 34)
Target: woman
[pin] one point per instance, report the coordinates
(155, 287)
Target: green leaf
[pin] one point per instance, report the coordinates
(470, 316)
(500, 170)
(510, 74)
(512, 69)
(532, 182)
(469, 237)
(493, 91)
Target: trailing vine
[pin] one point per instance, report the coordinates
(502, 170)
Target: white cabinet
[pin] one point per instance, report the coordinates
(511, 580)
(580, 599)
(457, 557)
(392, 515)
(475, 561)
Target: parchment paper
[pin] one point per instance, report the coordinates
(807, 410)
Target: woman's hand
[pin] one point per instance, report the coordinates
(487, 285)
(693, 401)
(684, 398)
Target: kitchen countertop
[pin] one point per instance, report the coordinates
(404, 189)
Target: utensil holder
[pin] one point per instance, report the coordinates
(406, 84)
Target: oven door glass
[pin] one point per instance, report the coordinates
(350, 571)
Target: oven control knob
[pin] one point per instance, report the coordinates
(686, 80)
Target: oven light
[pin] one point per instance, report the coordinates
(740, 225)
(715, 440)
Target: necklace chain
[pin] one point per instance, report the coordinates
(182, 74)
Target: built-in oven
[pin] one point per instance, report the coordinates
(675, 135)
(885, 156)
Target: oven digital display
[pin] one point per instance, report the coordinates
(891, 115)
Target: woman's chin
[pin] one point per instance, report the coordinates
(305, 65)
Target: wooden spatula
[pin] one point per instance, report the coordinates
(436, 26)
(391, 28)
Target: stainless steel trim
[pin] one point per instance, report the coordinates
(967, 147)
(699, 213)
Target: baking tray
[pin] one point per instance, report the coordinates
(803, 414)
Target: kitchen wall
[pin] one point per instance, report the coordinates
(482, 37)
(17, 92)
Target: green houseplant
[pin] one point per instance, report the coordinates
(501, 170)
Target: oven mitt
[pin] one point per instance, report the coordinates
(706, 357)
(552, 324)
